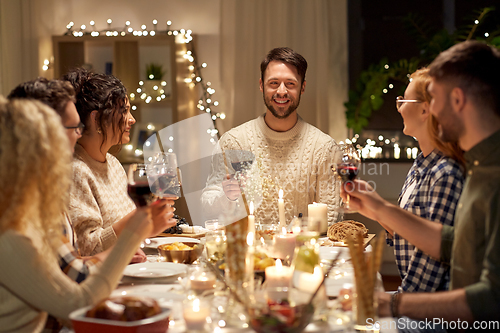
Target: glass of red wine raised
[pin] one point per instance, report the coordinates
(346, 162)
(157, 179)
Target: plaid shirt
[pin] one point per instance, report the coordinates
(438, 185)
(73, 265)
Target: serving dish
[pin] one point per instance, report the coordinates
(181, 256)
(155, 324)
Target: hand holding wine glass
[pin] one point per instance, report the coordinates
(152, 186)
(346, 162)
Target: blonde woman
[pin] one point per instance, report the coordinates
(34, 176)
(99, 203)
(431, 190)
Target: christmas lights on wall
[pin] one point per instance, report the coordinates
(156, 92)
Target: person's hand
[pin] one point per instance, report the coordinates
(384, 304)
(162, 214)
(139, 257)
(363, 198)
(231, 187)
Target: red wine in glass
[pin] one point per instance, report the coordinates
(141, 194)
(166, 185)
(241, 166)
(347, 172)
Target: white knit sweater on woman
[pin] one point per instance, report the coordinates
(98, 198)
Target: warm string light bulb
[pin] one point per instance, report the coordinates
(206, 103)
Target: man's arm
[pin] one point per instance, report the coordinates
(448, 305)
(424, 234)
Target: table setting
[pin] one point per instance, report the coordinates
(303, 275)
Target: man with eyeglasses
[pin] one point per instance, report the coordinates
(60, 96)
(465, 94)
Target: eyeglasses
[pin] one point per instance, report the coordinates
(78, 128)
(400, 100)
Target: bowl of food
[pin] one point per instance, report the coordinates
(123, 314)
(280, 310)
(181, 252)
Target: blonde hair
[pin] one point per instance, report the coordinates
(421, 80)
(36, 170)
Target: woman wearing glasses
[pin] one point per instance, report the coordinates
(99, 203)
(431, 190)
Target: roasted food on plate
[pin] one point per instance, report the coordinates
(125, 308)
(338, 232)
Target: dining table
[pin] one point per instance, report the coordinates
(166, 283)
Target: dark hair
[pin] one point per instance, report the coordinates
(105, 94)
(54, 93)
(288, 56)
(475, 68)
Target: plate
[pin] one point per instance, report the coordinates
(330, 253)
(153, 270)
(168, 240)
(160, 292)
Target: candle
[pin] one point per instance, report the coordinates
(318, 212)
(196, 314)
(250, 260)
(251, 219)
(201, 281)
(278, 276)
(309, 282)
(281, 209)
(284, 245)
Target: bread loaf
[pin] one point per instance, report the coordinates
(338, 232)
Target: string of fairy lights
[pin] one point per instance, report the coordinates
(206, 103)
(157, 91)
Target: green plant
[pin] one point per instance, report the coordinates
(373, 84)
(154, 71)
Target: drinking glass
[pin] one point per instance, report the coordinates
(215, 245)
(346, 162)
(240, 160)
(164, 176)
(138, 185)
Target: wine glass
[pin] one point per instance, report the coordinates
(346, 162)
(138, 185)
(164, 176)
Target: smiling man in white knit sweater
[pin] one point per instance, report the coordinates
(289, 153)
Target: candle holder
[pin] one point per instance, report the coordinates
(200, 280)
(196, 313)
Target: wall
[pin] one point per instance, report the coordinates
(26, 28)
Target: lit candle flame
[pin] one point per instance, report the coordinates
(251, 208)
(250, 238)
(196, 305)
(280, 194)
(283, 231)
(279, 265)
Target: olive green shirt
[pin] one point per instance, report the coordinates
(473, 245)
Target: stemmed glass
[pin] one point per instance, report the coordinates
(346, 162)
(147, 183)
(138, 185)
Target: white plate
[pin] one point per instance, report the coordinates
(331, 252)
(153, 270)
(160, 292)
(156, 241)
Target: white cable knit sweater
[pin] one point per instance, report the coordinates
(98, 198)
(296, 161)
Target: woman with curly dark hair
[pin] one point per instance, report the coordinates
(99, 203)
